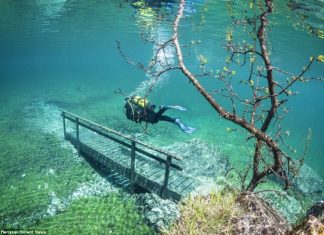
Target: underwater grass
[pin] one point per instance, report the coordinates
(108, 215)
(39, 173)
(209, 214)
(33, 165)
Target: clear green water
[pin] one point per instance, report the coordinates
(62, 54)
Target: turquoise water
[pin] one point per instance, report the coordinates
(63, 54)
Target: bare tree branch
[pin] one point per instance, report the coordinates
(265, 105)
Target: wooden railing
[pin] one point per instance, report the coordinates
(129, 142)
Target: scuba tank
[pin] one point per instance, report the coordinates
(137, 100)
(135, 108)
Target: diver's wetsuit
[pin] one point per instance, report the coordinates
(138, 114)
(153, 117)
(147, 114)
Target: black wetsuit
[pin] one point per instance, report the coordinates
(147, 114)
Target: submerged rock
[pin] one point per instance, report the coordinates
(39, 112)
(158, 213)
(308, 185)
(317, 210)
(97, 187)
(259, 218)
(56, 205)
(313, 224)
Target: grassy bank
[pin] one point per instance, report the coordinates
(209, 214)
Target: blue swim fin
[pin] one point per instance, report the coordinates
(177, 107)
(183, 127)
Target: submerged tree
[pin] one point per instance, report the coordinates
(259, 113)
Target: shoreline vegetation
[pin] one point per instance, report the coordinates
(207, 214)
(232, 212)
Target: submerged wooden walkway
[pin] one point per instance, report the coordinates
(147, 166)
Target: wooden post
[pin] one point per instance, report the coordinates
(77, 134)
(133, 166)
(64, 125)
(166, 176)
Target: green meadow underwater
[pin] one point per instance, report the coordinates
(64, 55)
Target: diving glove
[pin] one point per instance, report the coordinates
(183, 127)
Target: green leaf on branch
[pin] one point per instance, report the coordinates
(203, 60)
(320, 33)
(195, 42)
(320, 58)
(266, 90)
(229, 36)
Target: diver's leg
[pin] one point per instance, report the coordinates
(177, 121)
(177, 107)
(167, 119)
(183, 127)
(157, 116)
(165, 108)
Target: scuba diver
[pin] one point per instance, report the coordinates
(139, 109)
